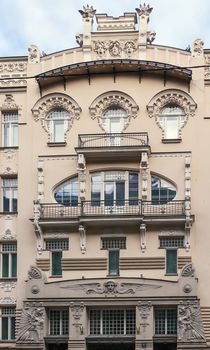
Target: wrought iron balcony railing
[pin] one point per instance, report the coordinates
(107, 208)
(134, 139)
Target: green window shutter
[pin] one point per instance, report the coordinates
(12, 327)
(171, 261)
(14, 265)
(5, 265)
(114, 262)
(5, 325)
(56, 263)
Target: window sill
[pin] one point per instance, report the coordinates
(171, 140)
(9, 213)
(9, 147)
(56, 144)
(171, 274)
(56, 276)
(112, 276)
(6, 279)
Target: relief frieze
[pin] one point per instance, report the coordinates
(115, 48)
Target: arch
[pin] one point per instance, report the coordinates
(116, 99)
(56, 101)
(171, 97)
(163, 190)
(67, 192)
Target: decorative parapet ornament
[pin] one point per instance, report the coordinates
(144, 10)
(88, 12)
(190, 327)
(197, 48)
(31, 324)
(34, 54)
(145, 35)
(171, 97)
(113, 99)
(187, 271)
(110, 48)
(50, 102)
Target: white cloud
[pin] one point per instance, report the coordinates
(52, 24)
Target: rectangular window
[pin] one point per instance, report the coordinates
(9, 195)
(58, 322)
(56, 247)
(7, 323)
(171, 242)
(112, 322)
(171, 261)
(10, 129)
(9, 260)
(113, 243)
(166, 321)
(114, 262)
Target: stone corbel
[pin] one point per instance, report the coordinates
(37, 227)
(143, 237)
(82, 232)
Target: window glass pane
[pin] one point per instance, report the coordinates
(113, 121)
(14, 200)
(67, 193)
(58, 131)
(6, 200)
(5, 325)
(171, 261)
(12, 327)
(56, 263)
(133, 189)
(171, 128)
(5, 265)
(162, 191)
(96, 186)
(109, 193)
(14, 135)
(14, 265)
(114, 262)
(6, 135)
(120, 193)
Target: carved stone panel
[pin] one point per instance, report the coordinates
(144, 320)
(31, 324)
(190, 327)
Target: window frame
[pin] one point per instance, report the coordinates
(117, 256)
(8, 140)
(166, 118)
(11, 323)
(12, 189)
(166, 333)
(55, 252)
(73, 181)
(52, 120)
(11, 269)
(61, 322)
(167, 269)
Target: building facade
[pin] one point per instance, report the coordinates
(104, 213)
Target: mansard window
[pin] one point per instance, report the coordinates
(56, 248)
(114, 188)
(9, 194)
(58, 322)
(172, 119)
(10, 129)
(162, 191)
(8, 260)
(166, 321)
(113, 119)
(7, 316)
(112, 322)
(67, 193)
(58, 122)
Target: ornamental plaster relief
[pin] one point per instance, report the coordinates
(34, 54)
(167, 98)
(31, 323)
(8, 301)
(115, 49)
(55, 101)
(13, 83)
(7, 286)
(13, 67)
(197, 48)
(116, 99)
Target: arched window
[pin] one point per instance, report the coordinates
(113, 119)
(171, 120)
(67, 193)
(162, 191)
(58, 122)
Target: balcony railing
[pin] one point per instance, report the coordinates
(134, 139)
(130, 207)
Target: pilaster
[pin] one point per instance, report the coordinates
(144, 325)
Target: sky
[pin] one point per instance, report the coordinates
(52, 24)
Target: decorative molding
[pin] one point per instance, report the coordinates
(144, 10)
(113, 99)
(31, 324)
(171, 97)
(190, 327)
(115, 48)
(9, 103)
(188, 271)
(79, 39)
(7, 286)
(144, 170)
(13, 83)
(77, 312)
(197, 48)
(187, 288)
(143, 237)
(40, 173)
(8, 235)
(82, 176)
(88, 12)
(8, 301)
(145, 308)
(34, 273)
(52, 101)
(171, 232)
(34, 54)
(82, 232)
(37, 227)
(13, 67)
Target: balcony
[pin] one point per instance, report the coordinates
(127, 211)
(115, 145)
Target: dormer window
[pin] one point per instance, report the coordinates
(58, 122)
